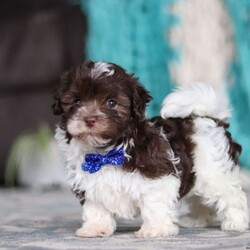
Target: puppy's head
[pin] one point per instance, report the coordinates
(99, 102)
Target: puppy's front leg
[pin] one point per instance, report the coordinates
(97, 221)
(158, 209)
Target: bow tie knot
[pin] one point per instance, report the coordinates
(94, 162)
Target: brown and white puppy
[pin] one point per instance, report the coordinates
(121, 164)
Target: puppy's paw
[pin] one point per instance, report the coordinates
(229, 225)
(157, 231)
(94, 230)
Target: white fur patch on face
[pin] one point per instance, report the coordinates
(77, 127)
(102, 68)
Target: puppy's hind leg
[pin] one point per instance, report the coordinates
(158, 209)
(217, 175)
(229, 199)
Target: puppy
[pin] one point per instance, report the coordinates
(122, 164)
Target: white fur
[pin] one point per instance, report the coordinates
(113, 192)
(217, 177)
(217, 181)
(102, 68)
(198, 99)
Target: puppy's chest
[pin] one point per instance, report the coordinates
(115, 189)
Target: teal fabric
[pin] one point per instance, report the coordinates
(239, 91)
(133, 34)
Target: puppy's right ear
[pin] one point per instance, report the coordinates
(57, 108)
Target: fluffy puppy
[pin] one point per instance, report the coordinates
(122, 164)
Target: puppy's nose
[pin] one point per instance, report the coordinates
(90, 121)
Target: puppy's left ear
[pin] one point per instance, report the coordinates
(140, 99)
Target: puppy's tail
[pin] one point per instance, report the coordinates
(195, 99)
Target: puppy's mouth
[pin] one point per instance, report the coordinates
(93, 140)
(91, 135)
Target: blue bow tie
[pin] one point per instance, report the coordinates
(94, 162)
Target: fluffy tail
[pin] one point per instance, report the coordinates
(196, 99)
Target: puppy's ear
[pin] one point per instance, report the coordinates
(64, 83)
(140, 98)
(57, 108)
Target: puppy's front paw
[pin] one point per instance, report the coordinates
(157, 231)
(94, 230)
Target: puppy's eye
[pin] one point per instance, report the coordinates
(77, 101)
(111, 103)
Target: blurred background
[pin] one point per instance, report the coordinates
(164, 42)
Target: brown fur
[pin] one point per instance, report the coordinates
(179, 131)
(149, 153)
(80, 195)
(149, 146)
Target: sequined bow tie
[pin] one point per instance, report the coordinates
(94, 162)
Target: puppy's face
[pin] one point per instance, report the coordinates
(99, 102)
